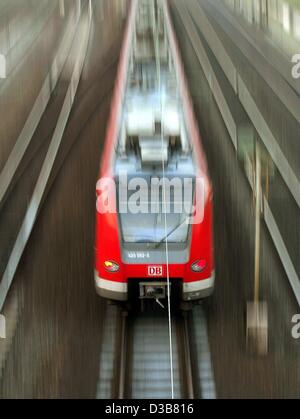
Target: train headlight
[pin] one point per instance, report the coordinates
(111, 266)
(199, 266)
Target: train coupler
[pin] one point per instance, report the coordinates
(157, 291)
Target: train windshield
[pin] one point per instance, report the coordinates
(156, 216)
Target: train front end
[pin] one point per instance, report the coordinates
(154, 235)
(140, 255)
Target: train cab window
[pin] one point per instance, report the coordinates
(157, 221)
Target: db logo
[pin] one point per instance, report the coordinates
(155, 270)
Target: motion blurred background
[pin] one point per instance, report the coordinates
(58, 63)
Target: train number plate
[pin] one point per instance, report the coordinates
(155, 271)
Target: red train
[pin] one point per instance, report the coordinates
(154, 229)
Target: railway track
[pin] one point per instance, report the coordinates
(135, 357)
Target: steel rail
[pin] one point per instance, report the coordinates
(123, 357)
(187, 358)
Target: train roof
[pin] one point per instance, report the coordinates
(153, 135)
(152, 127)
